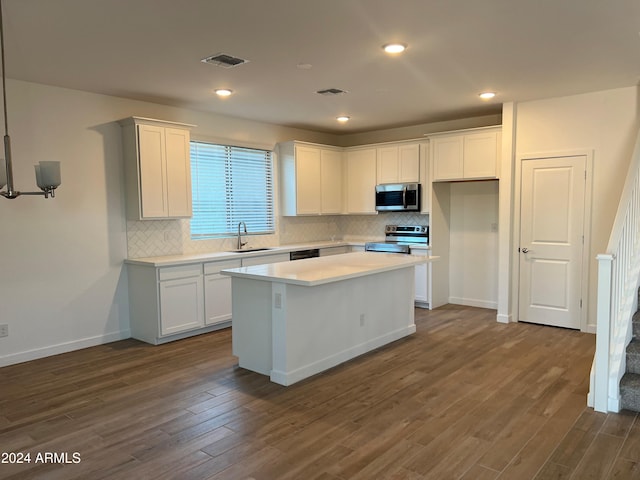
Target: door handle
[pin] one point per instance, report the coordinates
(525, 250)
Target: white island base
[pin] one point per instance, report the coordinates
(293, 320)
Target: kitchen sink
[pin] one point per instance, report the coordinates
(247, 250)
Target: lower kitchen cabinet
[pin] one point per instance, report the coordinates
(217, 292)
(422, 282)
(170, 303)
(180, 296)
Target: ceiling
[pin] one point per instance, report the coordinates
(151, 50)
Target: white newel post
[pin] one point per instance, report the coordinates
(603, 333)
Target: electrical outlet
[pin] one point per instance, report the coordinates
(362, 319)
(4, 330)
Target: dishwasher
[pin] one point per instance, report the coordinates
(300, 254)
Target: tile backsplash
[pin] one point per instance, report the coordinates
(151, 238)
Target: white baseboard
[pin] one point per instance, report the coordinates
(471, 302)
(293, 376)
(36, 353)
(614, 404)
(502, 318)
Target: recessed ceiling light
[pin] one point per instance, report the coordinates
(223, 92)
(394, 47)
(487, 95)
(343, 118)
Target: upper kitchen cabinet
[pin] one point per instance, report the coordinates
(157, 168)
(361, 181)
(310, 179)
(472, 155)
(398, 163)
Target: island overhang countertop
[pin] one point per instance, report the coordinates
(321, 270)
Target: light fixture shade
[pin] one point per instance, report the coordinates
(38, 177)
(3, 173)
(49, 174)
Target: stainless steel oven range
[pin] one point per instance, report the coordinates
(399, 238)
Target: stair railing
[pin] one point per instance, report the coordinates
(618, 278)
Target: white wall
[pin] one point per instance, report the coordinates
(605, 123)
(62, 284)
(473, 246)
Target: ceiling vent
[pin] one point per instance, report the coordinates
(331, 91)
(224, 60)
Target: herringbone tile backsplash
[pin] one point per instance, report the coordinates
(153, 238)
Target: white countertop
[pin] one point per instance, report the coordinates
(185, 259)
(171, 260)
(317, 271)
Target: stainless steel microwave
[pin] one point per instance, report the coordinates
(398, 197)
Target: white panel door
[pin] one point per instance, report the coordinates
(551, 240)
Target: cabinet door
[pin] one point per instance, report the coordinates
(387, 165)
(422, 284)
(307, 180)
(409, 163)
(217, 291)
(361, 181)
(152, 171)
(425, 178)
(331, 181)
(447, 157)
(178, 172)
(181, 305)
(480, 155)
(217, 294)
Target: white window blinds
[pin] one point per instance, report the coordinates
(230, 185)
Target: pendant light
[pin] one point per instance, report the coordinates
(47, 173)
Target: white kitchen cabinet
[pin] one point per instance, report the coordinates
(181, 303)
(311, 179)
(398, 163)
(331, 181)
(157, 168)
(172, 302)
(217, 291)
(425, 178)
(422, 281)
(472, 155)
(165, 303)
(361, 181)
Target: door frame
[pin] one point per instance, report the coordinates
(586, 250)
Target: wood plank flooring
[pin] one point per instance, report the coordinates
(464, 398)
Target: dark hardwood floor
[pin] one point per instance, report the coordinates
(463, 398)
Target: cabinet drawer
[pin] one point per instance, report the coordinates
(181, 271)
(215, 267)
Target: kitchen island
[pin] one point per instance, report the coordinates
(292, 320)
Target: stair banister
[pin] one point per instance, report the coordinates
(618, 279)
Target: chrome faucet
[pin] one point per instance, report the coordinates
(240, 242)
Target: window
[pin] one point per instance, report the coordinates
(230, 185)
